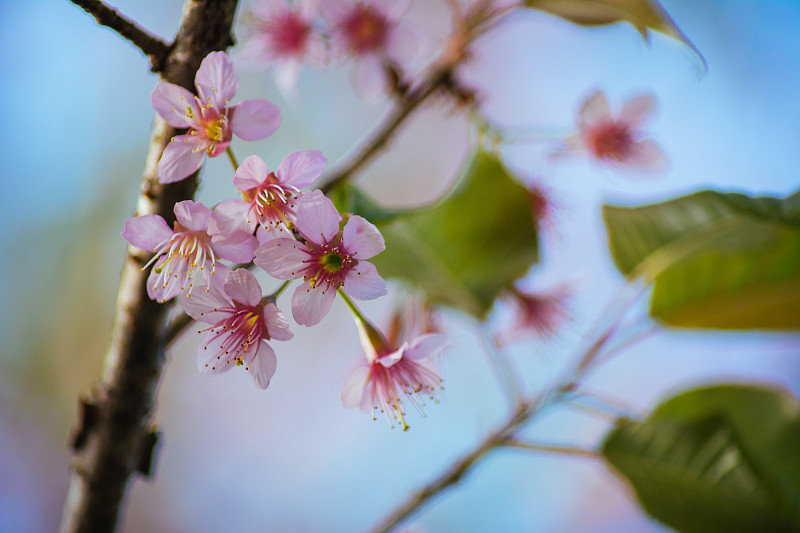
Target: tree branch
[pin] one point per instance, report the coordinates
(153, 47)
(114, 437)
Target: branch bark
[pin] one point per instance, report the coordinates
(113, 437)
(153, 47)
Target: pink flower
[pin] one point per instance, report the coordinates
(283, 33)
(617, 141)
(240, 328)
(537, 313)
(372, 33)
(183, 252)
(391, 373)
(268, 197)
(210, 119)
(328, 259)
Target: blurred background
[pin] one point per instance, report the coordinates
(234, 458)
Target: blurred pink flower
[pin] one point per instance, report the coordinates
(327, 260)
(268, 197)
(240, 328)
(372, 33)
(536, 313)
(619, 141)
(283, 34)
(390, 373)
(211, 121)
(182, 252)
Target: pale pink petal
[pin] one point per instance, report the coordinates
(270, 233)
(277, 325)
(637, 110)
(392, 9)
(363, 282)
(287, 72)
(426, 346)
(229, 222)
(216, 279)
(309, 306)
(211, 358)
(369, 78)
(317, 218)
(146, 232)
(593, 110)
(192, 215)
(647, 155)
(316, 51)
(216, 80)
(238, 252)
(171, 101)
(181, 158)
(255, 119)
(251, 173)
(242, 286)
(300, 169)
(262, 367)
(353, 387)
(282, 258)
(389, 360)
(405, 42)
(202, 305)
(362, 239)
(333, 11)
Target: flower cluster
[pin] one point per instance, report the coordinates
(287, 36)
(290, 232)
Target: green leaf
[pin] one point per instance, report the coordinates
(466, 250)
(723, 458)
(644, 15)
(718, 260)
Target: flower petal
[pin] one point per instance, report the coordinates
(262, 367)
(404, 43)
(593, 110)
(353, 387)
(317, 218)
(211, 357)
(282, 258)
(146, 232)
(255, 119)
(238, 252)
(300, 169)
(277, 325)
(250, 174)
(369, 78)
(242, 286)
(637, 110)
(202, 305)
(229, 223)
(181, 158)
(192, 215)
(310, 305)
(363, 282)
(216, 80)
(171, 101)
(426, 346)
(362, 239)
(647, 155)
(287, 72)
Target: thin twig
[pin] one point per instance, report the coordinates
(548, 448)
(153, 47)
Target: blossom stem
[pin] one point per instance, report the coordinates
(353, 308)
(575, 451)
(270, 298)
(232, 157)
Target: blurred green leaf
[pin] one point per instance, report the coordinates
(718, 260)
(465, 250)
(644, 15)
(724, 458)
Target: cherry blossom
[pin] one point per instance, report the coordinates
(183, 252)
(209, 117)
(268, 198)
(618, 141)
(329, 258)
(536, 313)
(240, 328)
(391, 373)
(283, 34)
(372, 33)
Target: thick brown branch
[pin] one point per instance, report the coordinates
(152, 46)
(117, 439)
